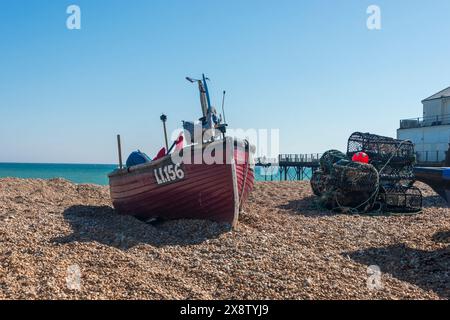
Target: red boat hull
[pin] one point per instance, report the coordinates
(197, 191)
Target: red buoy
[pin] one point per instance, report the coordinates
(361, 157)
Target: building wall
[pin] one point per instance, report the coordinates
(432, 108)
(437, 107)
(430, 143)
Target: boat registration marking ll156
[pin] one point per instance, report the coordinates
(168, 174)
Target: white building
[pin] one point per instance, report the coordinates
(431, 133)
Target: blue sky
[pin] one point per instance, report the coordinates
(309, 68)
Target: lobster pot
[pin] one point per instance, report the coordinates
(382, 149)
(329, 158)
(393, 158)
(349, 185)
(400, 199)
(318, 182)
(403, 175)
(354, 177)
(339, 200)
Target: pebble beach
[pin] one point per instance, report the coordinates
(60, 240)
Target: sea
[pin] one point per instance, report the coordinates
(89, 173)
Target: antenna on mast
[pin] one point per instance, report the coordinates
(223, 104)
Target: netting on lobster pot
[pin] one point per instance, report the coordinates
(393, 158)
(354, 176)
(403, 175)
(350, 185)
(400, 199)
(318, 182)
(382, 149)
(329, 158)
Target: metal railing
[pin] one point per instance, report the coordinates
(315, 157)
(430, 156)
(425, 121)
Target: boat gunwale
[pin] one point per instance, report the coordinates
(145, 166)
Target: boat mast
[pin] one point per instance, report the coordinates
(204, 95)
(203, 99)
(209, 120)
(206, 90)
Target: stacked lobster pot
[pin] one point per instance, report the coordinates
(384, 184)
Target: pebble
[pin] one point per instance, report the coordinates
(284, 247)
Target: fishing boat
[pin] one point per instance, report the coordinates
(210, 178)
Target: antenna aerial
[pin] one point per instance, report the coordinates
(223, 106)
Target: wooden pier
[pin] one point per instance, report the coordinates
(289, 166)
